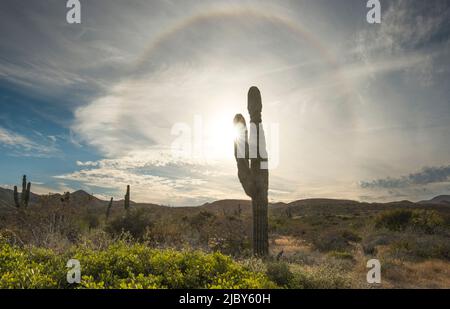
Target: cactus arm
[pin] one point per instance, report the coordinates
(241, 155)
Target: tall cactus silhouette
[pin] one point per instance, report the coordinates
(251, 158)
(108, 209)
(24, 196)
(127, 199)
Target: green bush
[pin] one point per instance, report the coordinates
(124, 265)
(323, 277)
(343, 255)
(18, 271)
(427, 221)
(371, 243)
(421, 247)
(135, 222)
(279, 273)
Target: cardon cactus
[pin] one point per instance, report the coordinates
(251, 157)
(25, 195)
(108, 209)
(127, 199)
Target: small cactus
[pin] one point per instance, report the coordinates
(16, 197)
(108, 209)
(238, 211)
(24, 196)
(127, 199)
(253, 171)
(289, 212)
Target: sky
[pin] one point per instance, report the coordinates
(144, 93)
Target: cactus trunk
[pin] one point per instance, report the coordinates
(127, 199)
(27, 194)
(108, 209)
(16, 197)
(254, 177)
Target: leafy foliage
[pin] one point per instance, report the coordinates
(134, 222)
(279, 273)
(124, 265)
(427, 221)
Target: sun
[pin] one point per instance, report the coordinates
(221, 133)
(236, 133)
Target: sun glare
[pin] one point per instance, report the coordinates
(236, 132)
(220, 134)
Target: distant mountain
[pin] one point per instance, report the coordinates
(76, 198)
(81, 198)
(441, 199)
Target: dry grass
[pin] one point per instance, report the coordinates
(290, 245)
(426, 274)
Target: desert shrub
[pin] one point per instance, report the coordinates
(254, 264)
(99, 239)
(135, 222)
(394, 220)
(322, 277)
(370, 243)
(92, 220)
(279, 273)
(201, 224)
(344, 255)
(421, 247)
(229, 236)
(124, 265)
(350, 236)
(18, 271)
(336, 240)
(165, 234)
(427, 221)
(44, 226)
(304, 257)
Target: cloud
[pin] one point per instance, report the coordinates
(209, 77)
(163, 179)
(21, 145)
(48, 57)
(409, 27)
(428, 175)
(167, 180)
(86, 163)
(133, 72)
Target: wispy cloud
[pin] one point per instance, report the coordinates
(87, 163)
(162, 180)
(20, 145)
(427, 175)
(409, 26)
